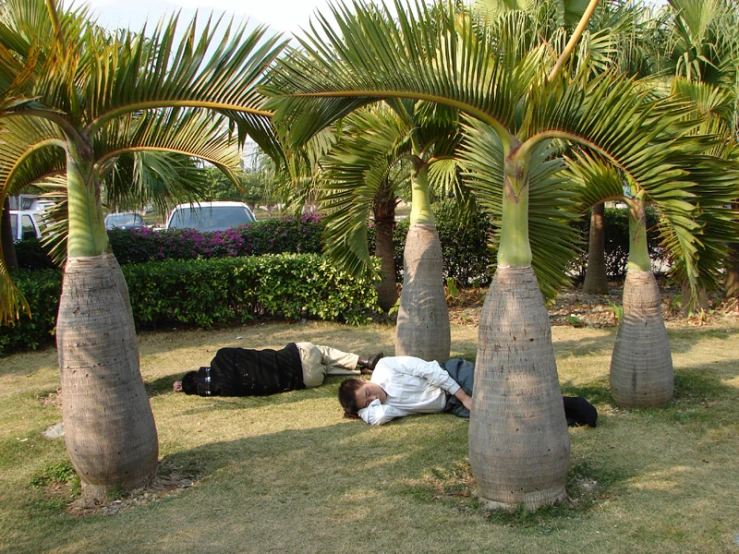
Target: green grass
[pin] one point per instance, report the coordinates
(287, 474)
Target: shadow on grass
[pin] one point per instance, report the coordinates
(586, 346)
(684, 339)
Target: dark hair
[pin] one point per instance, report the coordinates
(348, 395)
(190, 383)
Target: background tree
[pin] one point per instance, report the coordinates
(87, 99)
(381, 150)
(701, 52)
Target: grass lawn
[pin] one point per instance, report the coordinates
(287, 474)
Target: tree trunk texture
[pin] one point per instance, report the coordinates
(109, 427)
(8, 242)
(732, 271)
(519, 445)
(387, 289)
(422, 328)
(641, 364)
(596, 279)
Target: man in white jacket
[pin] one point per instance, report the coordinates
(400, 386)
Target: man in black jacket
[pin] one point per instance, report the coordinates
(247, 372)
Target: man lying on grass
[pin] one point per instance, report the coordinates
(404, 385)
(247, 372)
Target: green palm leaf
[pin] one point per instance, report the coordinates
(551, 202)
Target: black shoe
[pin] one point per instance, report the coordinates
(369, 362)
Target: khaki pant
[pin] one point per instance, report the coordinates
(319, 361)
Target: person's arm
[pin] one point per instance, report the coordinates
(430, 371)
(464, 398)
(378, 413)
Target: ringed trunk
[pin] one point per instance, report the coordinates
(422, 328)
(596, 279)
(109, 427)
(641, 364)
(519, 445)
(108, 423)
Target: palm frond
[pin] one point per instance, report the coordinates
(186, 132)
(551, 202)
(368, 55)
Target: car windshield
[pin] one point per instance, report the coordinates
(123, 220)
(216, 218)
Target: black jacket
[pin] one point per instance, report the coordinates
(245, 372)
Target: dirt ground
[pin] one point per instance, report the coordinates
(575, 309)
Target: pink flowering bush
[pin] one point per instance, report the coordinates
(294, 234)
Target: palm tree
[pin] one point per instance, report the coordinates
(87, 99)
(379, 149)
(498, 77)
(364, 171)
(701, 52)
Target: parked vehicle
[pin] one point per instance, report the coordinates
(26, 224)
(210, 216)
(124, 220)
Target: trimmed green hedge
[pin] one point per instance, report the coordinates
(42, 288)
(203, 293)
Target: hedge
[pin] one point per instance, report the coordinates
(616, 239)
(204, 293)
(42, 289)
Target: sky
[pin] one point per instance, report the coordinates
(286, 16)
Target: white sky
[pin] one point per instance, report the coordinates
(280, 15)
(287, 16)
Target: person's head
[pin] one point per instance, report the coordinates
(355, 394)
(189, 382)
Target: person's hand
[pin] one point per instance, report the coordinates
(467, 402)
(464, 398)
(177, 386)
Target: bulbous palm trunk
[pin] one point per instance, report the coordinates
(641, 364)
(422, 328)
(387, 290)
(519, 445)
(596, 279)
(108, 423)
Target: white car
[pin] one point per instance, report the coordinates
(124, 220)
(26, 224)
(210, 216)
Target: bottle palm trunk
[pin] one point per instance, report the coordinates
(422, 328)
(108, 424)
(518, 440)
(641, 364)
(109, 427)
